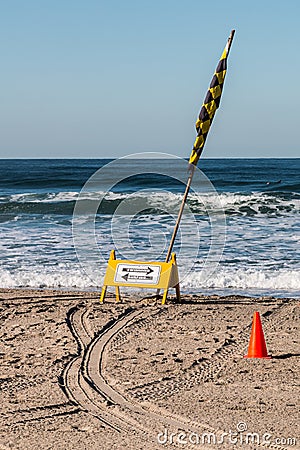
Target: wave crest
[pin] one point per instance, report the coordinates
(243, 204)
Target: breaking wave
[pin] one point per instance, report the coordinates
(242, 204)
(235, 280)
(243, 279)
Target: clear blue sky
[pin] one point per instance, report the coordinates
(108, 78)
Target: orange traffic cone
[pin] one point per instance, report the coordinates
(257, 345)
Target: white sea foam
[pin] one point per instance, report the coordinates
(54, 278)
(236, 280)
(257, 203)
(243, 279)
(240, 203)
(47, 197)
(260, 251)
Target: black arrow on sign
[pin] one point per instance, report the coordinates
(132, 269)
(136, 277)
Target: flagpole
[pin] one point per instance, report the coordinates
(208, 115)
(186, 193)
(192, 170)
(183, 202)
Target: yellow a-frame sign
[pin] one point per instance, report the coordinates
(156, 275)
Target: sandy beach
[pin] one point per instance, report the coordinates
(76, 374)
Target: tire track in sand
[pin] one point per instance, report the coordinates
(84, 377)
(83, 383)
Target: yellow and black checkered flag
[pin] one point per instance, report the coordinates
(211, 104)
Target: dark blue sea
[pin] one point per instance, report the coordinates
(239, 234)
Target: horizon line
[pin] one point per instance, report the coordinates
(121, 157)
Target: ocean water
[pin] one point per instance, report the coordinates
(239, 234)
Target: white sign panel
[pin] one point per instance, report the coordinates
(137, 273)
